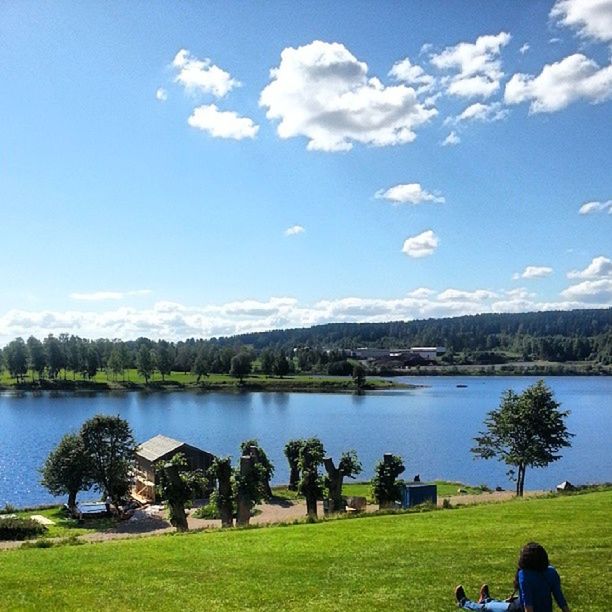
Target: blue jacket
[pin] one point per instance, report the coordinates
(536, 589)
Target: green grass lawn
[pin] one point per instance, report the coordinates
(396, 562)
(445, 489)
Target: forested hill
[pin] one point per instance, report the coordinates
(554, 335)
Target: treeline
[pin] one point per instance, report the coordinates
(71, 356)
(575, 335)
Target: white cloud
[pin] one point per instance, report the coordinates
(222, 124)
(533, 272)
(161, 94)
(321, 91)
(294, 229)
(478, 111)
(410, 193)
(589, 208)
(452, 139)
(202, 75)
(592, 18)
(593, 291)
(174, 321)
(412, 74)
(524, 48)
(477, 66)
(421, 245)
(101, 296)
(600, 267)
(575, 77)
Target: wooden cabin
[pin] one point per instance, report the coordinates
(155, 452)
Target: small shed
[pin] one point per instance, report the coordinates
(417, 493)
(158, 450)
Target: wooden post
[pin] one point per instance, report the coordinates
(335, 485)
(243, 515)
(224, 475)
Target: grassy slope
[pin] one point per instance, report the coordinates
(406, 562)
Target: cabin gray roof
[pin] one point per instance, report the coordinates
(157, 447)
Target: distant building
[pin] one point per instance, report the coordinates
(156, 451)
(429, 353)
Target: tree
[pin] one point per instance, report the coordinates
(67, 469)
(527, 430)
(16, 357)
(261, 459)
(281, 364)
(310, 486)
(292, 452)
(349, 466)
(116, 360)
(266, 361)
(359, 376)
(386, 489)
(164, 358)
(240, 366)
(200, 365)
(56, 359)
(221, 471)
(37, 360)
(109, 442)
(145, 363)
(91, 363)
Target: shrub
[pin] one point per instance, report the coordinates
(20, 529)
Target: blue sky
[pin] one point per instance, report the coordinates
(198, 169)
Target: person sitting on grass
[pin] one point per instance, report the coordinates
(537, 582)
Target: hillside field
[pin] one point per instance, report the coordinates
(393, 562)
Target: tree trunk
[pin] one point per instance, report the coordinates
(243, 515)
(224, 475)
(294, 476)
(72, 499)
(178, 518)
(311, 506)
(335, 485)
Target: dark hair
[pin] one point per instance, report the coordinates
(533, 557)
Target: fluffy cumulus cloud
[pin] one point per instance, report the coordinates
(175, 321)
(589, 208)
(591, 18)
(409, 193)
(477, 66)
(323, 92)
(478, 111)
(222, 124)
(574, 78)
(421, 245)
(600, 267)
(533, 272)
(411, 74)
(202, 75)
(452, 139)
(596, 283)
(294, 230)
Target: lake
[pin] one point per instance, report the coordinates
(431, 427)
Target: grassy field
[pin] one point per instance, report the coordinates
(213, 382)
(401, 562)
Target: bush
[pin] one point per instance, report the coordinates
(20, 529)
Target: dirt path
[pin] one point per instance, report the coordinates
(278, 511)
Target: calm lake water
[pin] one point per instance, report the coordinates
(431, 427)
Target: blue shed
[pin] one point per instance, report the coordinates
(414, 494)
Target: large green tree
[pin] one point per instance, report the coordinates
(265, 468)
(527, 430)
(145, 362)
(348, 467)
(16, 358)
(67, 469)
(292, 452)
(310, 486)
(109, 442)
(37, 359)
(56, 358)
(386, 489)
(240, 366)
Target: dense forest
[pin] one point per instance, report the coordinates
(559, 336)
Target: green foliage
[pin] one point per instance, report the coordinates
(145, 362)
(20, 529)
(264, 467)
(240, 365)
(527, 430)
(110, 444)
(16, 358)
(349, 465)
(37, 359)
(385, 487)
(311, 455)
(359, 376)
(68, 468)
